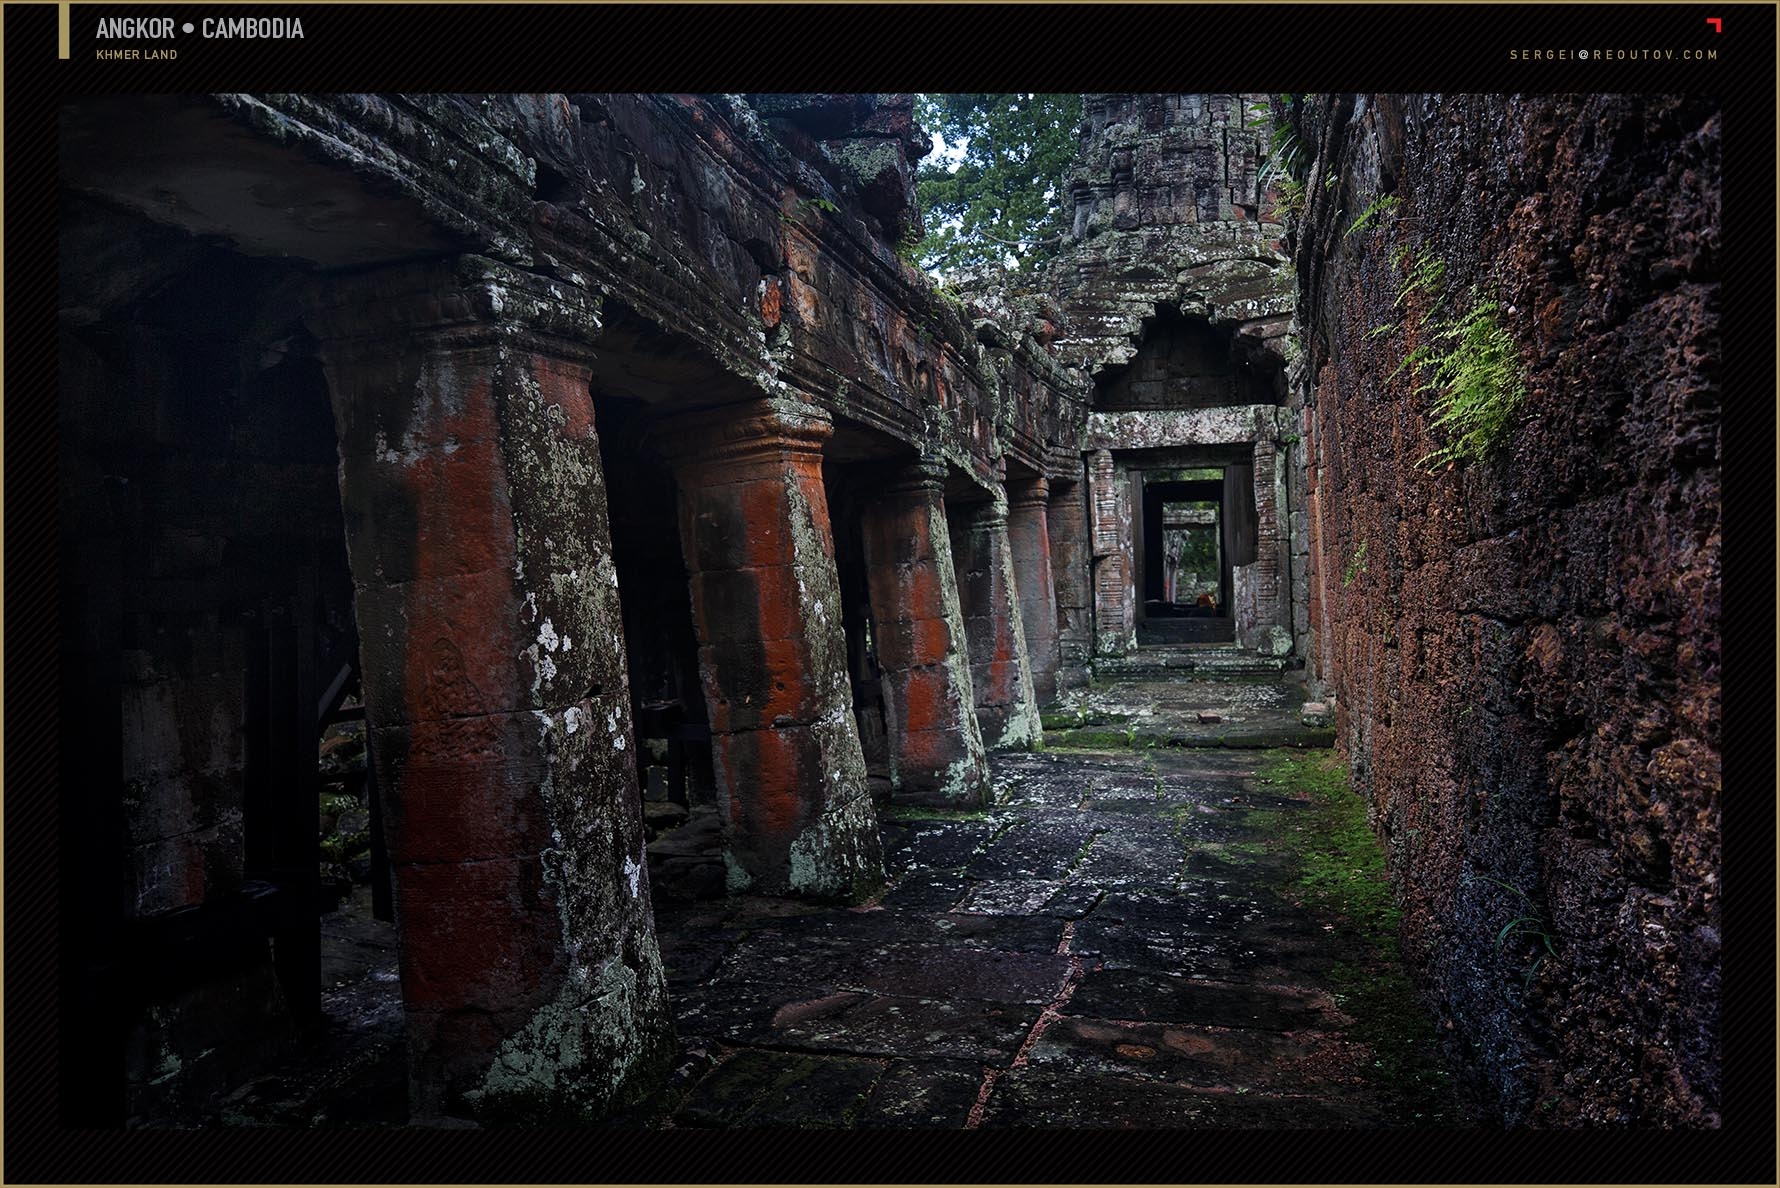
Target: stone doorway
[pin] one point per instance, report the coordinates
(1186, 564)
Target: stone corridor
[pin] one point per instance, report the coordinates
(1138, 931)
(734, 680)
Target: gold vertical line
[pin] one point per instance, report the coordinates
(62, 37)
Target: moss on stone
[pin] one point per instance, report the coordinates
(1338, 870)
(603, 1043)
(343, 847)
(1071, 719)
(1091, 740)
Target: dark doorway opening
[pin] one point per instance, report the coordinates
(1187, 583)
(681, 816)
(849, 484)
(220, 840)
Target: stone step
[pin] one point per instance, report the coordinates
(1180, 659)
(1238, 736)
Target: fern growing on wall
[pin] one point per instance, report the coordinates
(1467, 361)
(1475, 376)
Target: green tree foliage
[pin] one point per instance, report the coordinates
(1006, 197)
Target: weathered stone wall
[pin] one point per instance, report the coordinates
(1072, 561)
(1115, 583)
(1263, 614)
(1525, 648)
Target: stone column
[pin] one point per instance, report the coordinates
(936, 747)
(1263, 614)
(1029, 543)
(1115, 622)
(1000, 675)
(772, 654)
(1071, 567)
(495, 689)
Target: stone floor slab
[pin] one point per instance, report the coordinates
(1207, 1057)
(1043, 845)
(1009, 897)
(738, 1013)
(1141, 995)
(965, 1029)
(927, 891)
(1029, 1097)
(946, 845)
(902, 970)
(934, 971)
(1233, 955)
(1134, 851)
(756, 1089)
(924, 1094)
(692, 955)
(1074, 900)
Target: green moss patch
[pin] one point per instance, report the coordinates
(1338, 871)
(1090, 740)
(1070, 719)
(345, 847)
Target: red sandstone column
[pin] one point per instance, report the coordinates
(1007, 710)
(1071, 556)
(1029, 544)
(495, 689)
(1114, 590)
(936, 747)
(754, 528)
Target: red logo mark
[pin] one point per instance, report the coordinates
(1717, 24)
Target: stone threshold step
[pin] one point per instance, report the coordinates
(1260, 738)
(1185, 658)
(1176, 672)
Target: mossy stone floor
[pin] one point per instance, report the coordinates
(1149, 938)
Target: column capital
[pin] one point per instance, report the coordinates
(988, 515)
(464, 301)
(1032, 492)
(921, 476)
(768, 428)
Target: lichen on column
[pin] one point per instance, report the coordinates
(936, 746)
(496, 690)
(1007, 709)
(755, 532)
(1029, 544)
